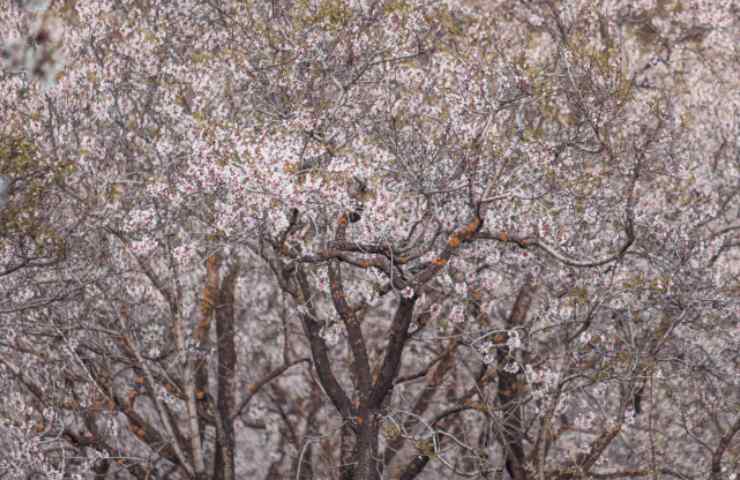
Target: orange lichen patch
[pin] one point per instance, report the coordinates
(202, 328)
(471, 227)
(210, 290)
(169, 388)
(343, 220)
(208, 301)
(439, 262)
(139, 380)
(503, 236)
(475, 294)
(364, 264)
(214, 261)
(201, 394)
(454, 241)
(499, 338)
(252, 388)
(360, 420)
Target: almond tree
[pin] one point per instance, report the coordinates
(371, 239)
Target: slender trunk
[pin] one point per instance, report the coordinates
(346, 458)
(224, 461)
(509, 388)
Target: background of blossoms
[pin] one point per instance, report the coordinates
(369, 239)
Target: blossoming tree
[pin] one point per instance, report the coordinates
(370, 239)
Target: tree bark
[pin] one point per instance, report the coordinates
(224, 458)
(509, 388)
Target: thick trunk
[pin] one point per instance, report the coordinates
(367, 464)
(224, 461)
